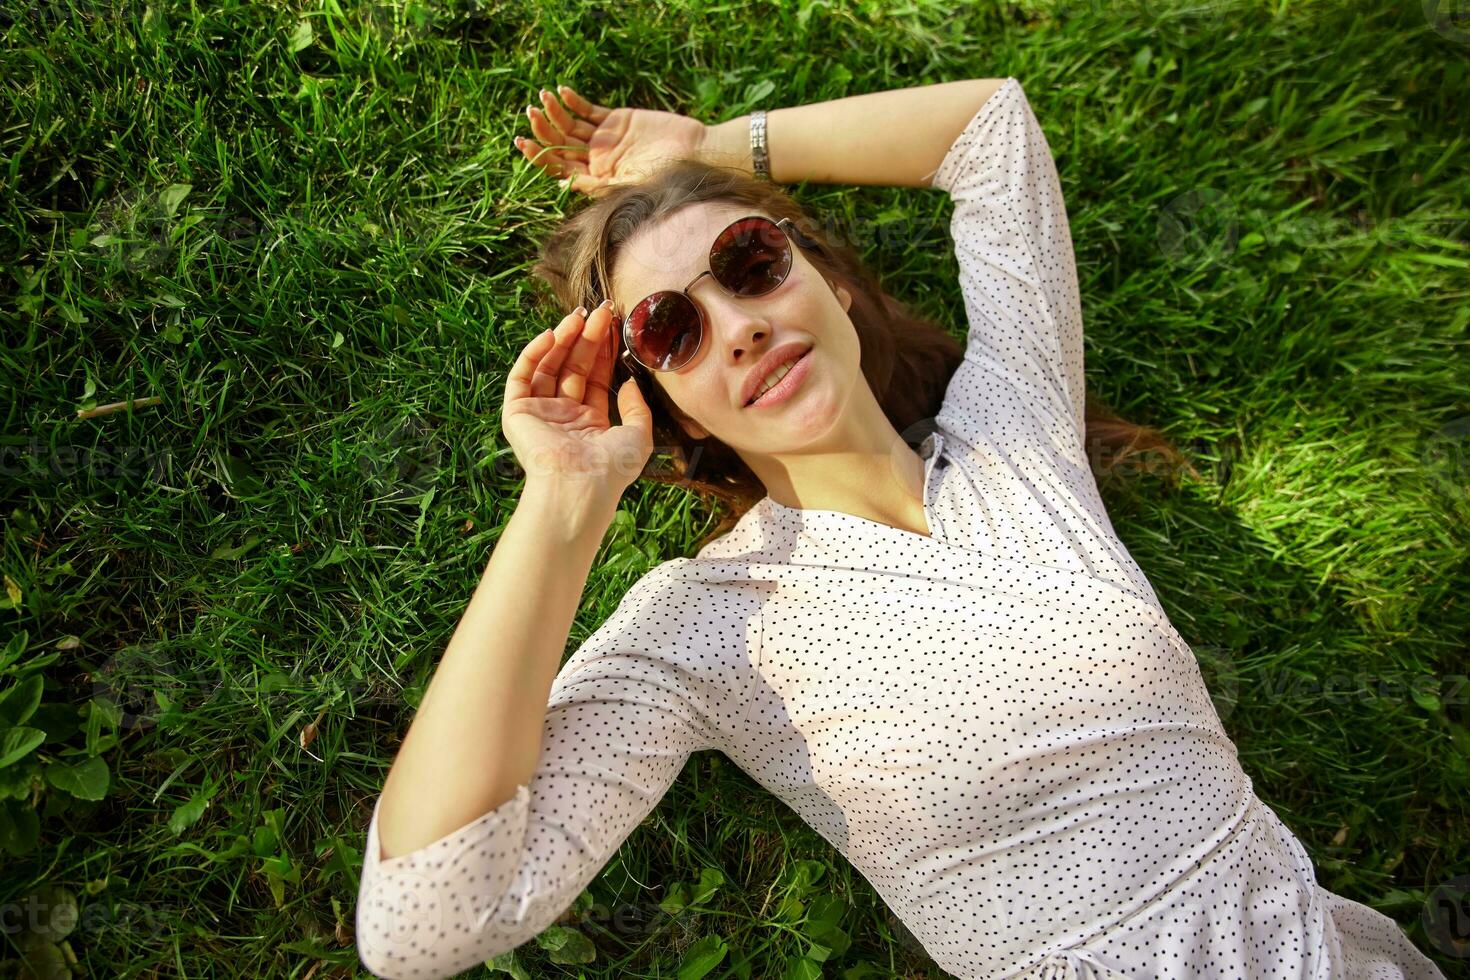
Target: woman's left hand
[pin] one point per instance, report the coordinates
(598, 147)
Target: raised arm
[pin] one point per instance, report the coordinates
(1018, 274)
(895, 138)
(475, 736)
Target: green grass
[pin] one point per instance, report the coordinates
(1268, 203)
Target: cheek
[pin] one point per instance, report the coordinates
(687, 395)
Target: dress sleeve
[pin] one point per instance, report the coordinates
(624, 713)
(1017, 273)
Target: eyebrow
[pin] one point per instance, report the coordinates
(703, 261)
(674, 289)
(692, 278)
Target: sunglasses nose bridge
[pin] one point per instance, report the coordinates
(777, 239)
(697, 278)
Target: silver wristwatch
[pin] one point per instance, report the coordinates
(759, 158)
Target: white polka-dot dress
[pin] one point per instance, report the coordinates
(996, 724)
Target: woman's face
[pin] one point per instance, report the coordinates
(740, 331)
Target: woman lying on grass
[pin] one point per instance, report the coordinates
(940, 656)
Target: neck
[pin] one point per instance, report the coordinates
(863, 468)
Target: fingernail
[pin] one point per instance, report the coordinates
(605, 304)
(529, 114)
(580, 311)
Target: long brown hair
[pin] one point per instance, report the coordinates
(907, 360)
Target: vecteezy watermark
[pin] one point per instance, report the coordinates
(43, 13)
(412, 19)
(660, 464)
(628, 919)
(152, 228)
(160, 226)
(1221, 674)
(415, 20)
(887, 230)
(54, 912)
(1199, 228)
(140, 684)
(1446, 458)
(903, 934)
(1101, 457)
(1450, 19)
(34, 460)
(406, 919)
(1107, 459)
(559, 11)
(1446, 917)
(915, 438)
(1430, 691)
(400, 458)
(665, 244)
(616, 463)
(1204, 227)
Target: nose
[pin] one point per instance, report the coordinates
(737, 325)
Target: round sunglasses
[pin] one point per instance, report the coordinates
(751, 257)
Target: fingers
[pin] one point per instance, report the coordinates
(558, 362)
(582, 356)
(518, 382)
(562, 169)
(552, 161)
(548, 159)
(564, 336)
(554, 126)
(549, 135)
(583, 107)
(599, 379)
(578, 130)
(633, 407)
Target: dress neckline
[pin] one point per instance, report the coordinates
(929, 451)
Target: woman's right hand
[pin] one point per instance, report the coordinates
(555, 414)
(598, 147)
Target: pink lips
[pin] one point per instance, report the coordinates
(788, 384)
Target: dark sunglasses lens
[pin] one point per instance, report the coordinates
(751, 257)
(663, 331)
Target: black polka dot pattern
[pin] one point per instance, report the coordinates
(664, 676)
(996, 723)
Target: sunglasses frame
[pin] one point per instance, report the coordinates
(632, 362)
